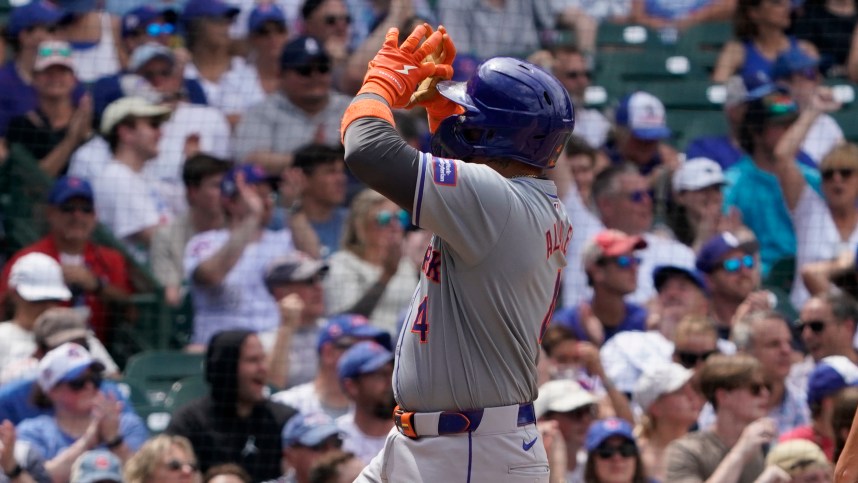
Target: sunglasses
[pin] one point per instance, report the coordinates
(158, 29)
(733, 265)
(70, 208)
(581, 413)
(154, 123)
(626, 450)
(623, 261)
(78, 384)
(816, 326)
(331, 20)
(574, 74)
(155, 73)
(756, 388)
(61, 51)
(307, 70)
(385, 217)
(265, 31)
(179, 465)
(690, 359)
(845, 173)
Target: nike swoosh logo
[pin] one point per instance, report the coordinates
(405, 69)
(526, 446)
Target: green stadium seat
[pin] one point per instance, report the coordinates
(156, 371)
(155, 416)
(847, 120)
(689, 94)
(688, 125)
(622, 37)
(705, 37)
(185, 391)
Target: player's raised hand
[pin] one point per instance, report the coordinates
(396, 71)
(437, 106)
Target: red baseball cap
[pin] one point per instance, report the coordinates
(611, 243)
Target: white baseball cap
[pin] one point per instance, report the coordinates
(36, 276)
(562, 396)
(128, 107)
(659, 380)
(696, 174)
(65, 363)
(53, 52)
(644, 115)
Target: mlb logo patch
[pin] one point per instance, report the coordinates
(445, 172)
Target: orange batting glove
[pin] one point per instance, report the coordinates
(437, 106)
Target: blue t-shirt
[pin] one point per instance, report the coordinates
(758, 196)
(635, 320)
(330, 231)
(721, 150)
(16, 400)
(673, 9)
(46, 436)
(757, 69)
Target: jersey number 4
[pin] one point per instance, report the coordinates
(421, 322)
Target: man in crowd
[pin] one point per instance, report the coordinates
(827, 325)
(306, 438)
(570, 67)
(573, 408)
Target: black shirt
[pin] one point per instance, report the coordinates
(832, 34)
(34, 132)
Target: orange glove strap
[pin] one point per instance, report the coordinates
(365, 108)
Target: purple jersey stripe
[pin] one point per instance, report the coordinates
(420, 189)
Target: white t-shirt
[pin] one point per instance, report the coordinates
(586, 225)
(817, 239)
(15, 343)
(241, 301)
(822, 136)
(228, 94)
(305, 399)
(90, 159)
(593, 126)
(355, 441)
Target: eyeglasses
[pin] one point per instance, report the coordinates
(331, 20)
(626, 450)
(179, 465)
(61, 51)
(154, 123)
(690, 359)
(638, 196)
(69, 208)
(158, 29)
(384, 217)
(755, 388)
(78, 384)
(307, 70)
(845, 173)
(624, 261)
(815, 326)
(574, 74)
(733, 265)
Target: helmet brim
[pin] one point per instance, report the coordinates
(457, 92)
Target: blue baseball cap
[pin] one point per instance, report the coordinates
(137, 18)
(208, 8)
(301, 52)
(97, 465)
(363, 358)
(791, 61)
(354, 326)
(76, 7)
(265, 12)
(308, 429)
(253, 174)
(663, 273)
(832, 374)
(37, 12)
(69, 187)
(606, 428)
(644, 115)
(714, 250)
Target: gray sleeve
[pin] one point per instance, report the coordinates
(380, 158)
(255, 132)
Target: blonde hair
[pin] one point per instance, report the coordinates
(843, 155)
(362, 204)
(695, 325)
(141, 466)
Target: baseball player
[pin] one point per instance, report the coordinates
(465, 372)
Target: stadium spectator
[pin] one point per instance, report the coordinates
(570, 67)
(830, 376)
(55, 127)
(760, 29)
(201, 175)
(732, 449)
(149, 23)
(306, 438)
(613, 454)
(695, 341)
(95, 38)
(366, 371)
(162, 458)
(572, 408)
(325, 393)
(827, 326)
(829, 25)
(660, 15)
(370, 275)
(18, 462)
(69, 381)
(845, 406)
(336, 467)
(304, 109)
(800, 461)
(268, 35)
(97, 466)
(235, 422)
(126, 202)
(681, 293)
(97, 275)
(329, 22)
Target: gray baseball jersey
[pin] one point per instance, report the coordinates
(487, 289)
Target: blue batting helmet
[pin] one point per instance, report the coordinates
(513, 109)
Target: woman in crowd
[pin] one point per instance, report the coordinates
(370, 275)
(612, 454)
(163, 459)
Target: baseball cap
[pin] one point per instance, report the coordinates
(265, 12)
(663, 273)
(659, 380)
(138, 17)
(606, 428)
(770, 104)
(354, 326)
(53, 52)
(696, 174)
(308, 429)
(126, 107)
(830, 375)
(716, 247)
(301, 52)
(295, 267)
(147, 52)
(59, 325)
(611, 243)
(644, 115)
(253, 174)
(561, 396)
(208, 8)
(35, 13)
(68, 187)
(96, 465)
(36, 276)
(797, 454)
(362, 358)
(65, 363)
(792, 61)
